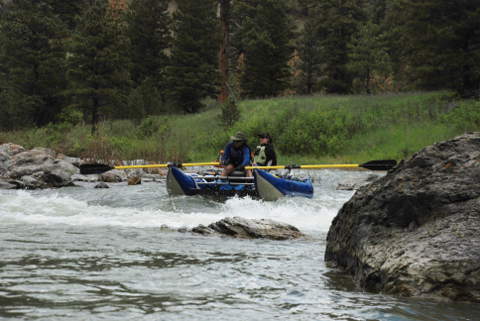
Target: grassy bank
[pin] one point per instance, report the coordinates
(305, 129)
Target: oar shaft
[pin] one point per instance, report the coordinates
(265, 167)
(166, 165)
(372, 165)
(330, 166)
(306, 166)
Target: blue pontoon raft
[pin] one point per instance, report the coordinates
(263, 185)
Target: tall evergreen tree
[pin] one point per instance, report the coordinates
(67, 10)
(368, 55)
(309, 52)
(149, 32)
(223, 55)
(337, 22)
(32, 60)
(98, 63)
(149, 24)
(263, 34)
(192, 74)
(439, 42)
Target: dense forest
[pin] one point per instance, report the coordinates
(91, 60)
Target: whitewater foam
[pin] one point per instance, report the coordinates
(27, 208)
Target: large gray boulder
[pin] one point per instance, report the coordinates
(416, 231)
(6, 152)
(38, 168)
(239, 227)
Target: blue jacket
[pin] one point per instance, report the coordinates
(238, 158)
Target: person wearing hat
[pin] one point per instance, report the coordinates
(265, 153)
(236, 155)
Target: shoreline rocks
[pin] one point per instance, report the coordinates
(416, 231)
(36, 168)
(44, 168)
(239, 227)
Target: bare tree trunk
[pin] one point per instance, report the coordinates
(224, 49)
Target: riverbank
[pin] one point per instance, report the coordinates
(306, 129)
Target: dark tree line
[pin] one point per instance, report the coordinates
(63, 60)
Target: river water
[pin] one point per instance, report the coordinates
(86, 254)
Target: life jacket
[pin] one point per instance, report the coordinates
(236, 155)
(260, 155)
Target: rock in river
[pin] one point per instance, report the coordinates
(38, 168)
(416, 231)
(6, 152)
(134, 180)
(113, 176)
(252, 229)
(102, 185)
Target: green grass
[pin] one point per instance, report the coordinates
(313, 129)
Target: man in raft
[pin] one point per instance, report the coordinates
(236, 156)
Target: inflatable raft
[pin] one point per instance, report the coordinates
(263, 185)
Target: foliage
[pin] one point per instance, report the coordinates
(337, 21)
(314, 128)
(31, 64)
(263, 32)
(368, 55)
(309, 51)
(192, 73)
(230, 112)
(465, 116)
(439, 41)
(149, 33)
(98, 69)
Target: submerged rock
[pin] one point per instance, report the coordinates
(102, 185)
(113, 176)
(350, 186)
(134, 180)
(8, 184)
(416, 231)
(354, 185)
(239, 227)
(85, 178)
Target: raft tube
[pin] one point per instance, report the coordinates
(272, 188)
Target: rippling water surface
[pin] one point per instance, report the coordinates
(85, 254)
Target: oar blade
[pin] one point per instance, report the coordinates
(86, 169)
(379, 165)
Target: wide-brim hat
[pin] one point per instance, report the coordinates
(239, 137)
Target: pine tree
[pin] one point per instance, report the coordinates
(192, 74)
(368, 55)
(98, 63)
(439, 42)
(224, 53)
(337, 21)
(263, 35)
(67, 10)
(32, 60)
(149, 32)
(309, 51)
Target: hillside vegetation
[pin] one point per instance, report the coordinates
(305, 129)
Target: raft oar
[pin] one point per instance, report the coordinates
(101, 168)
(376, 165)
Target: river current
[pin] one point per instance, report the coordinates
(81, 253)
